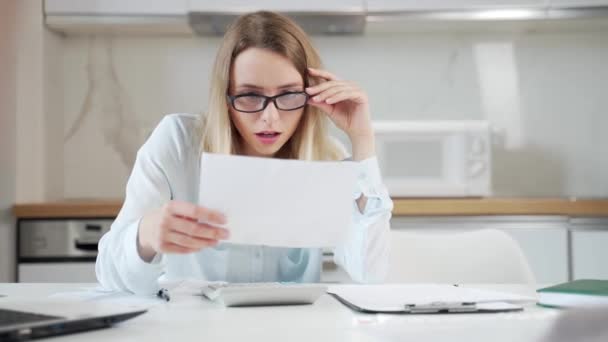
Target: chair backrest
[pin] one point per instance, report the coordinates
(478, 256)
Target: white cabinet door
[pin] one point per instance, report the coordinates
(437, 5)
(590, 248)
(543, 239)
(546, 251)
(578, 3)
(116, 7)
(60, 272)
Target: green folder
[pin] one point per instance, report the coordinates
(578, 293)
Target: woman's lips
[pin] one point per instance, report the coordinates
(268, 137)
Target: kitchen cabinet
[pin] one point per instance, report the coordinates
(570, 240)
(589, 248)
(59, 272)
(578, 3)
(439, 5)
(543, 239)
(181, 7)
(546, 251)
(116, 7)
(194, 16)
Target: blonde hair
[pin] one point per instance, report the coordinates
(277, 33)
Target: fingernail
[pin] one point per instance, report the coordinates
(316, 98)
(224, 234)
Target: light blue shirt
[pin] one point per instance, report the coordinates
(168, 167)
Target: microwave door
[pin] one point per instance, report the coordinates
(423, 166)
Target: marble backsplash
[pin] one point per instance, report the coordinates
(543, 92)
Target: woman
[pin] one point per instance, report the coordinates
(269, 99)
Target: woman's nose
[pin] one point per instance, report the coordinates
(270, 113)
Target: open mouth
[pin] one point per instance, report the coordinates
(268, 137)
(268, 134)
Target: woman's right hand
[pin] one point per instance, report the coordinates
(179, 227)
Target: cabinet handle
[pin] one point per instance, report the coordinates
(86, 246)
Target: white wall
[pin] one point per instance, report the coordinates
(8, 61)
(39, 107)
(84, 104)
(53, 115)
(31, 117)
(544, 92)
(30, 120)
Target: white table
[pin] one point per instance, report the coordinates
(187, 318)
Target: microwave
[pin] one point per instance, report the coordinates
(435, 158)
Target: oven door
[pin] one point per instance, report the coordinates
(58, 250)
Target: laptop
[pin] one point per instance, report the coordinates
(30, 319)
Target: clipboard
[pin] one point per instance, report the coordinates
(425, 299)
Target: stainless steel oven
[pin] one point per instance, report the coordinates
(58, 250)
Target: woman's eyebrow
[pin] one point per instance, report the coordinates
(290, 85)
(253, 86)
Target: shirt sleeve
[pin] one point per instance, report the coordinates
(365, 253)
(119, 266)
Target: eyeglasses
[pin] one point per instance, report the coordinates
(253, 103)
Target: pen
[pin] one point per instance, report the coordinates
(163, 294)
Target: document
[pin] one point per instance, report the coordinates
(278, 202)
(98, 294)
(422, 298)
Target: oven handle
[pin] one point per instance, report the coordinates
(86, 246)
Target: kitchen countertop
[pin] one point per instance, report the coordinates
(403, 207)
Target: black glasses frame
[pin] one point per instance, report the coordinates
(267, 100)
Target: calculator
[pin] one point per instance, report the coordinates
(261, 294)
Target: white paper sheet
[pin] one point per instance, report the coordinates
(274, 202)
(392, 298)
(97, 294)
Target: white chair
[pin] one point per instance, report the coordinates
(479, 256)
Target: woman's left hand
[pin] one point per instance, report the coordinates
(344, 102)
(347, 106)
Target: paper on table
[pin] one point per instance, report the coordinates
(96, 294)
(277, 202)
(392, 298)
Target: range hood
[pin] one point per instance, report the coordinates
(316, 23)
